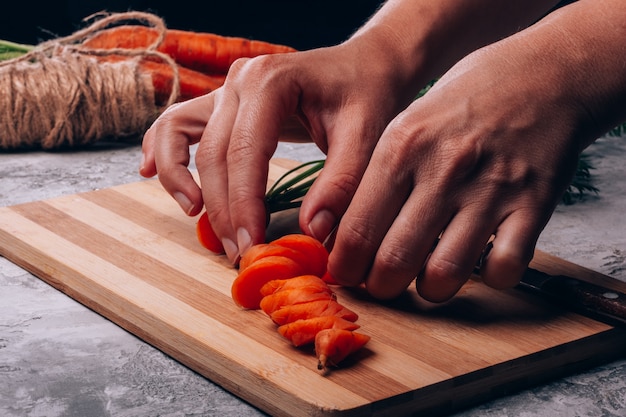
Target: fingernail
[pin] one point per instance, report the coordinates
(243, 239)
(183, 202)
(231, 250)
(142, 163)
(322, 224)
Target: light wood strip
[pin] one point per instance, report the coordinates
(214, 343)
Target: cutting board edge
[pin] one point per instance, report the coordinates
(459, 388)
(382, 407)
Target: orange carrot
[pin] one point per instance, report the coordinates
(329, 279)
(334, 345)
(207, 236)
(246, 287)
(317, 308)
(192, 83)
(262, 250)
(205, 52)
(316, 255)
(302, 332)
(294, 283)
(279, 299)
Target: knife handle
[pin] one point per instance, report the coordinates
(590, 297)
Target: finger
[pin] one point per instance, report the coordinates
(376, 203)
(213, 171)
(331, 193)
(455, 256)
(147, 166)
(513, 249)
(407, 245)
(167, 150)
(254, 139)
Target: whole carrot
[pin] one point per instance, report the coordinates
(205, 52)
(191, 83)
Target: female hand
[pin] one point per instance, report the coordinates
(488, 151)
(343, 105)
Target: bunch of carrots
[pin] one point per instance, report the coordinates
(202, 59)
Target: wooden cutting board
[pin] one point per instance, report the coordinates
(130, 254)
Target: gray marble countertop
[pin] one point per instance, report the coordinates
(58, 358)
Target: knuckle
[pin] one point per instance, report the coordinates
(396, 260)
(445, 269)
(343, 184)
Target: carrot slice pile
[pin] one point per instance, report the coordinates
(287, 279)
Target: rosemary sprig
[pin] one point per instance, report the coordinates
(289, 190)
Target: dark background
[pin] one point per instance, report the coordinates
(301, 24)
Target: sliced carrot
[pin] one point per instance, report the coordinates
(302, 332)
(293, 283)
(334, 345)
(246, 287)
(316, 255)
(273, 302)
(206, 235)
(263, 250)
(329, 279)
(317, 308)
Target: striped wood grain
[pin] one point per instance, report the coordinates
(129, 253)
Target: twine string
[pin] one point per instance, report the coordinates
(62, 94)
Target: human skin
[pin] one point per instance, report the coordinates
(487, 152)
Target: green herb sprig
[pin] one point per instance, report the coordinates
(289, 190)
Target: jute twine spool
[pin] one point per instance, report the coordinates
(61, 95)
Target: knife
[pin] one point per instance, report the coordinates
(606, 305)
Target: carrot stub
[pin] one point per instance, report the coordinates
(334, 345)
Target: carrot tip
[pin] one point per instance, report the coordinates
(322, 362)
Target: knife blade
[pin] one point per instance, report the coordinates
(595, 301)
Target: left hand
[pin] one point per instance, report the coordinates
(488, 151)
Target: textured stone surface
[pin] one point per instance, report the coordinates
(57, 358)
